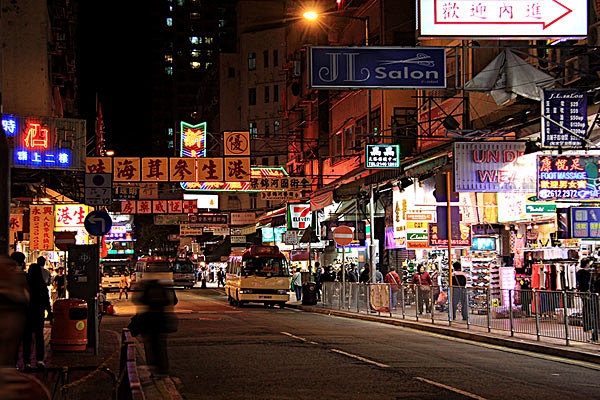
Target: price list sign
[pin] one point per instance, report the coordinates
(568, 177)
(585, 222)
(569, 109)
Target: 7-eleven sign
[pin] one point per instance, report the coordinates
(299, 216)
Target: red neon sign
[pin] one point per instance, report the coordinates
(37, 136)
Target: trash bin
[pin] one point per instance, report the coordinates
(309, 294)
(69, 328)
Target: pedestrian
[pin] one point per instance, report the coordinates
(436, 278)
(203, 275)
(459, 291)
(221, 277)
(326, 284)
(60, 284)
(318, 279)
(351, 276)
(157, 321)
(41, 261)
(378, 275)
(39, 302)
(393, 279)
(584, 286)
(365, 275)
(19, 258)
(124, 286)
(422, 282)
(297, 282)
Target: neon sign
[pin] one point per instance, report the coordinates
(568, 177)
(9, 125)
(37, 136)
(193, 140)
(255, 173)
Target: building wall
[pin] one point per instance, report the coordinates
(26, 87)
(229, 89)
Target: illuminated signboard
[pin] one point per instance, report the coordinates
(569, 109)
(193, 140)
(492, 18)
(464, 240)
(70, 218)
(585, 222)
(568, 177)
(46, 143)
(382, 156)
(256, 175)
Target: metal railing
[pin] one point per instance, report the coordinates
(129, 384)
(564, 315)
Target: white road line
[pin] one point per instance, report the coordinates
(311, 342)
(360, 358)
(293, 336)
(452, 389)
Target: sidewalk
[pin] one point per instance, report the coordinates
(546, 345)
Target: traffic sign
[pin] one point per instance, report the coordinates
(343, 235)
(97, 223)
(98, 189)
(62, 240)
(98, 180)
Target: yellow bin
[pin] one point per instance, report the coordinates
(69, 328)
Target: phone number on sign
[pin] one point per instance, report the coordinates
(567, 194)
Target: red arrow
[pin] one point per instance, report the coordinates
(457, 12)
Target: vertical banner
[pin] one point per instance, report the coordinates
(41, 227)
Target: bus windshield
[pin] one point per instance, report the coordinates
(182, 267)
(265, 266)
(158, 267)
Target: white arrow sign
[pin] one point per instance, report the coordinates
(96, 220)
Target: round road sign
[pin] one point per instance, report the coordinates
(343, 235)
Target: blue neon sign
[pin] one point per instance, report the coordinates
(56, 159)
(9, 125)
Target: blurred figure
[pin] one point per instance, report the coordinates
(318, 273)
(378, 275)
(124, 287)
(365, 275)
(39, 302)
(14, 300)
(221, 277)
(158, 320)
(422, 282)
(459, 293)
(297, 282)
(19, 258)
(41, 261)
(60, 284)
(393, 279)
(589, 304)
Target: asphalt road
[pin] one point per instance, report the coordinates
(225, 352)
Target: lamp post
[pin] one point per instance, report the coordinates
(313, 15)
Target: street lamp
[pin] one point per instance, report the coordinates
(313, 15)
(110, 153)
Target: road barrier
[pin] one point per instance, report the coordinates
(129, 386)
(564, 315)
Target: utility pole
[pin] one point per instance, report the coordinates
(4, 195)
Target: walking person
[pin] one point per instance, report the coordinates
(221, 278)
(59, 283)
(378, 275)
(459, 291)
(297, 282)
(318, 273)
(39, 302)
(423, 283)
(124, 287)
(393, 279)
(590, 312)
(47, 276)
(328, 287)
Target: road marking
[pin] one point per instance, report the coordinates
(452, 389)
(293, 336)
(360, 358)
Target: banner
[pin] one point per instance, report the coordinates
(321, 201)
(380, 297)
(41, 227)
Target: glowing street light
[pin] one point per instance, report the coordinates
(312, 15)
(110, 153)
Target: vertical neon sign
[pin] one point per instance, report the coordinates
(193, 140)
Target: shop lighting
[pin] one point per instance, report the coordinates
(536, 226)
(529, 226)
(507, 228)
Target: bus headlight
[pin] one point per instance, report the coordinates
(281, 291)
(245, 291)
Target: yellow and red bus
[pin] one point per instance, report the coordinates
(259, 274)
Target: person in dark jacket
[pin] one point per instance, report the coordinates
(590, 312)
(39, 302)
(365, 275)
(422, 282)
(459, 292)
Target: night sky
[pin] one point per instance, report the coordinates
(114, 61)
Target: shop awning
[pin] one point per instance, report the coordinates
(268, 217)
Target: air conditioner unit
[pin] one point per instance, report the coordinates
(575, 68)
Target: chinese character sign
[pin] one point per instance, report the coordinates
(9, 125)
(70, 215)
(41, 227)
(237, 143)
(210, 169)
(382, 156)
(155, 169)
(126, 169)
(568, 177)
(193, 140)
(568, 109)
(175, 206)
(98, 165)
(182, 169)
(144, 207)
(128, 207)
(279, 183)
(585, 222)
(237, 169)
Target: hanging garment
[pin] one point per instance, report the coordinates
(535, 276)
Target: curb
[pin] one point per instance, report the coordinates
(572, 354)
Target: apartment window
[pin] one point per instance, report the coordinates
(253, 129)
(195, 53)
(267, 128)
(276, 160)
(276, 128)
(265, 161)
(168, 58)
(376, 122)
(275, 58)
(208, 40)
(275, 93)
(169, 21)
(335, 147)
(266, 94)
(253, 198)
(231, 72)
(361, 129)
(170, 144)
(251, 61)
(221, 23)
(179, 2)
(252, 96)
(266, 58)
(195, 65)
(195, 40)
(348, 141)
(170, 131)
(169, 70)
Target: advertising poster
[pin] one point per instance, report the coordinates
(568, 177)
(41, 227)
